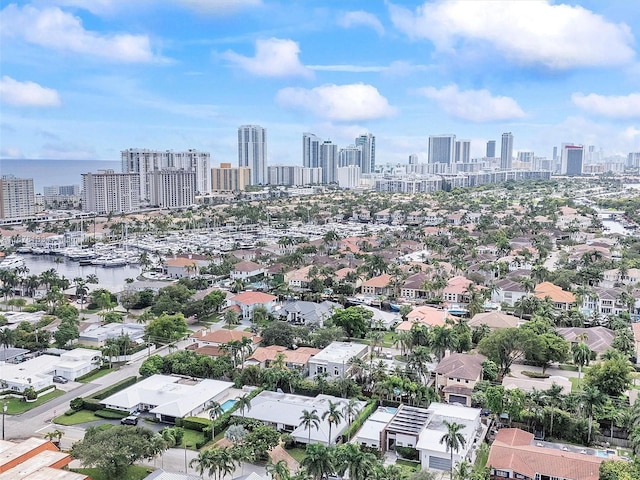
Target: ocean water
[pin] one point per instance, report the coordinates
(46, 173)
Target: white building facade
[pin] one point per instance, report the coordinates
(109, 192)
(252, 152)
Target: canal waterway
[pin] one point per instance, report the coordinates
(111, 278)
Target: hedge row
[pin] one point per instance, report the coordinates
(91, 404)
(195, 423)
(110, 414)
(115, 388)
(359, 420)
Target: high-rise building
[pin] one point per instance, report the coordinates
(571, 159)
(109, 192)
(555, 154)
(143, 162)
(350, 155)
(462, 153)
(633, 160)
(367, 143)
(329, 161)
(442, 149)
(413, 159)
(227, 179)
(17, 198)
(171, 188)
(252, 152)
(491, 149)
(294, 175)
(349, 177)
(525, 157)
(506, 151)
(311, 150)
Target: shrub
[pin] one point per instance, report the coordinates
(408, 453)
(535, 374)
(195, 423)
(29, 393)
(111, 414)
(91, 404)
(359, 420)
(77, 404)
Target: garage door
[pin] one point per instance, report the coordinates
(458, 399)
(438, 463)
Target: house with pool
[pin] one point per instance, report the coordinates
(169, 397)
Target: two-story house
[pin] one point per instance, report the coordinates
(457, 375)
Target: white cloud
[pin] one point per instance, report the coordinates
(534, 32)
(275, 57)
(473, 105)
(219, 6)
(27, 94)
(58, 30)
(614, 106)
(361, 18)
(342, 103)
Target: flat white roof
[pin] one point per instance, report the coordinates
(337, 352)
(370, 430)
(34, 367)
(169, 397)
(286, 409)
(430, 437)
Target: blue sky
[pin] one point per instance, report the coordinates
(84, 79)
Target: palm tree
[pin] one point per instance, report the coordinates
(214, 412)
(350, 410)
(57, 434)
(453, 439)
(244, 403)
(319, 461)
(581, 355)
(462, 471)
(592, 398)
(216, 461)
(351, 459)
(278, 470)
(441, 340)
(310, 419)
(333, 415)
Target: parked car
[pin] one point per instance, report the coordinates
(130, 420)
(59, 379)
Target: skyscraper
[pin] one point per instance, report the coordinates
(506, 151)
(252, 152)
(442, 148)
(463, 151)
(367, 143)
(571, 159)
(17, 198)
(350, 155)
(109, 192)
(329, 161)
(491, 149)
(172, 188)
(311, 150)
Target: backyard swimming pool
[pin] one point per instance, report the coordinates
(228, 405)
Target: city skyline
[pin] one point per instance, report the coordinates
(85, 79)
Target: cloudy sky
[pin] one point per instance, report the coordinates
(84, 79)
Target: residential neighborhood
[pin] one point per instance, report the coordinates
(496, 340)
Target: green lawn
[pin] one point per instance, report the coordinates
(298, 453)
(481, 459)
(15, 406)
(191, 437)
(81, 416)
(408, 464)
(389, 339)
(95, 375)
(133, 473)
(576, 385)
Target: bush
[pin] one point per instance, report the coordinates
(29, 393)
(111, 414)
(92, 404)
(195, 423)
(408, 453)
(115, 388)
(359, 420)
(535, 374)
(77, 404)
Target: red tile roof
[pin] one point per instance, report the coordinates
(250, 298)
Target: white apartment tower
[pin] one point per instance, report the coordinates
(350, 155)
(506, 151)
(252, 152)
(349, 177)
(571, 159)
(109, 192)
(17, 198)
(329, 161)
(143, 162)
(172, 188)
(311, 150)
(462, 152)
(367, 143)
